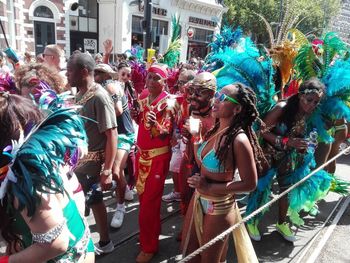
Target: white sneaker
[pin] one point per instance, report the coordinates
(105, 249)
(129, 194)
(118, 217)
(171, 197)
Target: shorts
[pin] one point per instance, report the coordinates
(89, 174)
(126, 141)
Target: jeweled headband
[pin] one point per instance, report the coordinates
(308, 91)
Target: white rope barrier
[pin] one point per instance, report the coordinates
(223, 235)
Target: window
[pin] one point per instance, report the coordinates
(136, 24)
(160, 26)
(203, 35)
(87, 19)
(43, 11)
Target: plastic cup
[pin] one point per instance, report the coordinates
(171, 102)
(194, 125)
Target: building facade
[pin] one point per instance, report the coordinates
(200, 20)
(31, 25)
(341, 23)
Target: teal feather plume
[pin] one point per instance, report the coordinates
(332, 45)
(228, 37)
(335, 104)
(172, 55)
(176, 28)
(245, 65)
(307, 194)
(37, 162)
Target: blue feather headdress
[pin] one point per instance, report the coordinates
(246, 64)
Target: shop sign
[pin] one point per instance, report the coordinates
(201, 21)
(90, 45)
(159, 11)
(155, 10)
(190, 32)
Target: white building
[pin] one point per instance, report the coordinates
(31, 25)
(122, 22)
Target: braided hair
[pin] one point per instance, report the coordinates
(242, 121)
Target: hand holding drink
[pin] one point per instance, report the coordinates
(194, 125)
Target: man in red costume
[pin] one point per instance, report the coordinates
(152, 160)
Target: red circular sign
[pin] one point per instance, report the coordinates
(190, 32)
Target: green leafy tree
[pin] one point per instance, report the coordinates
(309, 16)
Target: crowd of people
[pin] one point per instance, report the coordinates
(218, 127)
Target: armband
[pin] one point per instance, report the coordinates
(50, 235)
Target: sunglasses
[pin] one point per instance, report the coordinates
(126, 74)
(197, 91)
(223, 97)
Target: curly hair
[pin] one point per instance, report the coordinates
(244, 120)
(42, 72)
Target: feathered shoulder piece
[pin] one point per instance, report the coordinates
(37, 159)
(335, 104)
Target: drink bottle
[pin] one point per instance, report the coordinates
(312, 141)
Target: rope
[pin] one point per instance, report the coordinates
(223, 235)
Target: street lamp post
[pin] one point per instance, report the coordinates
(147, 38)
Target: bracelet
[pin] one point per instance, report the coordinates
(50, 235)
(278, 141)
(116, 97)
(106, 173)
(285, 142)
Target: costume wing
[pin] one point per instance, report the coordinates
(55, 142)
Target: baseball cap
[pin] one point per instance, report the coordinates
(107, 69)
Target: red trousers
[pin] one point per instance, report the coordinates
(150, 202)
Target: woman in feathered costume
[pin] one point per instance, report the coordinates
(326, 59)
(39, 219)
(245, 63)
(286, 147)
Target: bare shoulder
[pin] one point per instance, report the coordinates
(279, 106)
(241, 140)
